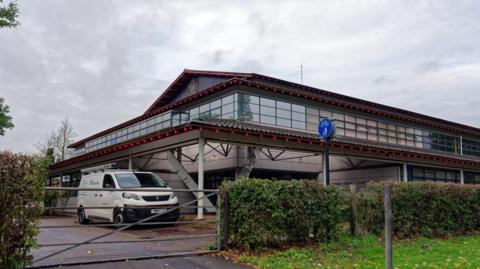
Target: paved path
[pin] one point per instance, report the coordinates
(122, 250)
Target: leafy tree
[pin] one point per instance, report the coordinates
(5, 119)
(9, 15)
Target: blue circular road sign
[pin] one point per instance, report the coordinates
(325, 128)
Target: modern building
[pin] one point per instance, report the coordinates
(246, 124)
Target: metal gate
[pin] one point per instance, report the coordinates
(45, 260)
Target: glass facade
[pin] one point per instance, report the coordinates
(159, 122)
(471, 147)
(286, 114)
(471, 178)
(223, 108)
(433, 174)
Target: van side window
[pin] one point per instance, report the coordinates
(108, 182)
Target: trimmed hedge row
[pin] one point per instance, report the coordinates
(21, 195)
(273, 213)
(422, 208)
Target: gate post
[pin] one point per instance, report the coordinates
(353, 221)
(226, 213)
(388, 226)
(201, 160)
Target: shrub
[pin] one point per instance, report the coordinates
(422, 208)
(268, 213)
(21, 194)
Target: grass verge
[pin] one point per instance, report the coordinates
(367, 252)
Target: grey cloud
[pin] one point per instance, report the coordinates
(105, 62)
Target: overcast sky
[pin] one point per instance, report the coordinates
(100, 63)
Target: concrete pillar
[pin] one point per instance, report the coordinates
(399, 172)
(130, 163)
(462, 177)
(405, 172)
(461, 145)
(201, 159)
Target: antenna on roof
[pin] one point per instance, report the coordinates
(301, 74)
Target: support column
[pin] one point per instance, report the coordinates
(399, 171)
(179, 155)
(201, 159)
(461, 145)
(462, 177)
(405, 172)
(130, 163)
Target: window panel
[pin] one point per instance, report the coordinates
(298, 124)
(312, 127)
(284, 122)
(296, 116)
(267, 119)
(284, 105)
(312, 111)
(298, 108)
(204, 108)
(227, 99)
(268, 111)
(267, 102)
(325, 114)
(286, 114)
(215, 104)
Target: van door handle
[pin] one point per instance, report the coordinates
(100, 195)
(95, 195)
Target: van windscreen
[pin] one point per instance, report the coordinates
(139, 180)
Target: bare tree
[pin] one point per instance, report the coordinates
(58, 141)
(65, 135)
(47, 143)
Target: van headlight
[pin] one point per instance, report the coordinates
(172, 196)
(129, 195)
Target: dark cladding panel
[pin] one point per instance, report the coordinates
(197, 84)
(207, 82)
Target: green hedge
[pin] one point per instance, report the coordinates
(422, 208)
(21, 194)
(268, 213)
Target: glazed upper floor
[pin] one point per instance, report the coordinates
(269, 101)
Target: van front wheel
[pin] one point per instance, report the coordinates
(118, 217)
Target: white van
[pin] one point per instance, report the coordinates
(124, 206)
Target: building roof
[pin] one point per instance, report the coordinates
(163, 103)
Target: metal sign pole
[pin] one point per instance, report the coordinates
(326, 164)
(326, 130)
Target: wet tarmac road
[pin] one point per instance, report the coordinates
(123, 250)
